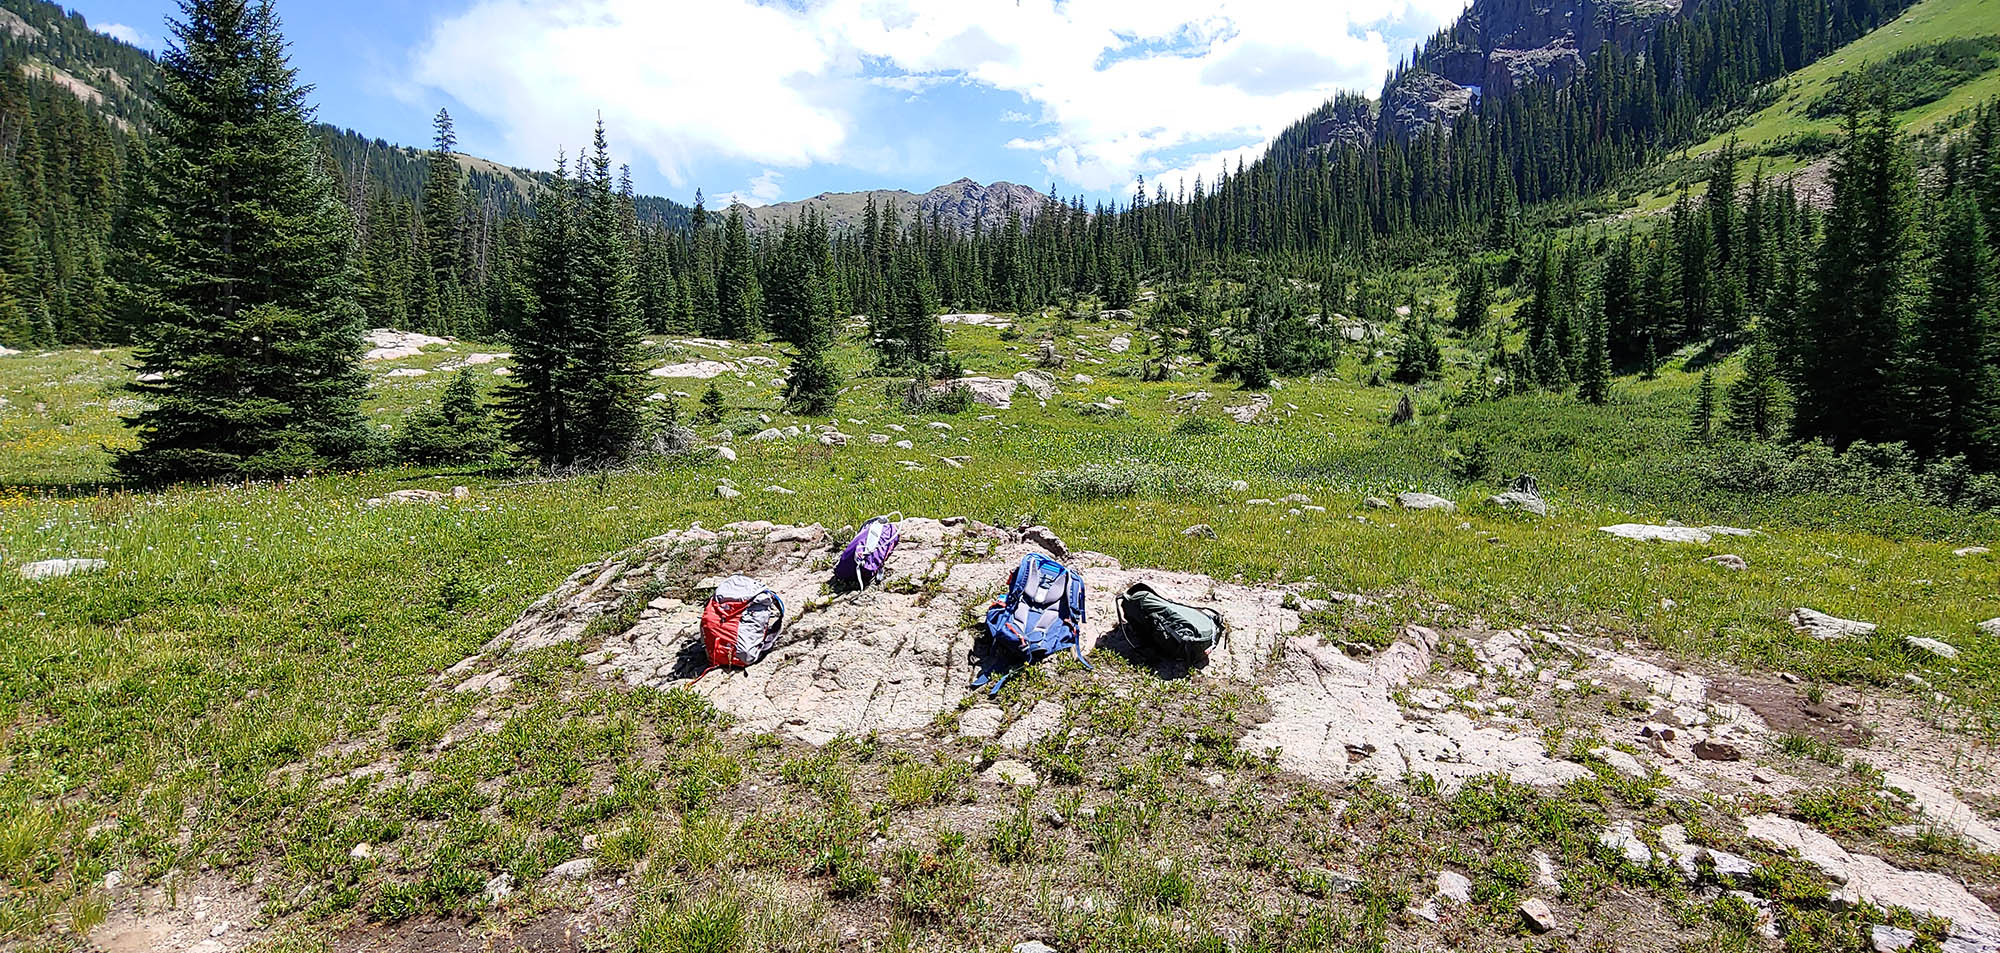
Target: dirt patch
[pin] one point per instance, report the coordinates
(1786, 710)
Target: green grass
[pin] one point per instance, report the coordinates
(190, 705)
(1927, 22)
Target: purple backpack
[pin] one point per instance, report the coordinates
(862, 561)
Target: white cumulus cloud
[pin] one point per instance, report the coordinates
(128, 34)
(1119, 87)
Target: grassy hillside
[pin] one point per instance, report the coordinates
(1928, 22)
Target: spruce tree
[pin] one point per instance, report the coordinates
(1861, 293)
(444, 233)
(243, 309)
(711, 405)
(736, 282)
(536, 406)
(1594, 372)
(1418, 359)
(1701, 425)
(1755, 402)
(607, 373)
(1474, 298)
(797, 302)
(1949, 378)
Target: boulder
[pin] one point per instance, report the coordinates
(1991, 627)
(1819, 625)
(1518, 500)
(1119, 344)
(1116, 314)
(58, 568)
(1425, 501)
(985, 391)
(1866, 878)
(1041, 383)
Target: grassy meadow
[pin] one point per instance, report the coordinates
(225, 695)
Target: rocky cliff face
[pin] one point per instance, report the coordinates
(961, 205)
(1496, 47)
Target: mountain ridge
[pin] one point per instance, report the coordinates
(962, 204)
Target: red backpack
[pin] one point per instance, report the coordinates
(741, 623)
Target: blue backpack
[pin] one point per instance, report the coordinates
(1042, 615)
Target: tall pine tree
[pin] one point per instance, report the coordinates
(242, 306)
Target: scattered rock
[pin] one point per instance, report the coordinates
(1454, 886)
(1425, 501)
(1991, 627)
(1375, 503)
(498, 888)
(768, 434)
(1085, 379)
(1040, 722)
(578, 869)
(1041, 383)
(1943, 650)
(362, 851)
(1239, 486)
(1624, 841)
(1729, 561)
(697, 370)
(728, 493)
(980, 721)
(1199, 531)
(1119, 344)
(408, 372)
(1545, 872)
(1033, 946)
(725, 454)
(1888, 939)
(1537, 915)
(58, 568)
(1715, 749)
(388, 344)
(1971, 551)
(1819, 625)
(1621, 762)
(1248, 413)
(1663, 534)
(1869, 879)
(414, 496)
(834, 438)
(781, 491)
(1016, 773)
(1047, 539)
(1517, 500)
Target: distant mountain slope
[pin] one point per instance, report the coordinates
(1788, 122)
(47, 42)
(961, 205)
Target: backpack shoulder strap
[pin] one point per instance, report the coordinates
(1075, 598)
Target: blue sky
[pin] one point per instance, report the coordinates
(774, 100)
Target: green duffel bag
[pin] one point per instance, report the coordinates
(1170, 628)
